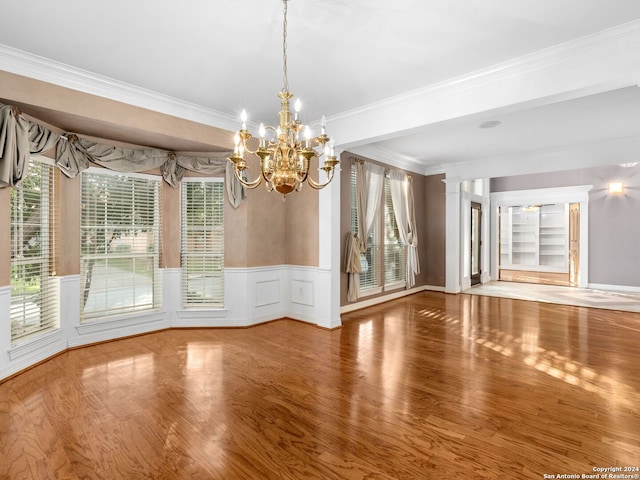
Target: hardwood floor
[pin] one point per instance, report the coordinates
(431, 386)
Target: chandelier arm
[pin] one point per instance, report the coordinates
(319, 186)
(269, 186)
(247, 149)
(248, 184)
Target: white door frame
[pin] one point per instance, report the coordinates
(577, 194)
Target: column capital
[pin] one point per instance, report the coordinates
(452, 184)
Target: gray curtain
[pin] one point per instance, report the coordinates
(41, 139)
(14, 146)
(113, 158)
(19, 138)
(369, 184)
(77, 154)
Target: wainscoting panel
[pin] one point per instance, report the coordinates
(268, 292)
(252, 296)
(305, 294)
(302, 292)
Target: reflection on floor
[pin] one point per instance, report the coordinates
(582, 297)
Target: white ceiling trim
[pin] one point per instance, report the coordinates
(390, 157)
(578, 156)
(34, 66)
(585, 66)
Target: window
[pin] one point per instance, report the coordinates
(370, 275)
(203, 243)
(394, 251)
(34, 285)
(119, 226)
(387, 263)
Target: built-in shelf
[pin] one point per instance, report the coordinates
(535, 237)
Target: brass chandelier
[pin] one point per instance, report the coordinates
(284, 158)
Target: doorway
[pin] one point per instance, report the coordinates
(476, 242)
(531, 246)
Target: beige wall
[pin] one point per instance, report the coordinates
(170, 235)
(69, 231)
(302, 227)
(91, 115)
(263, 231)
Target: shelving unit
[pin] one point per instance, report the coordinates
(535, 238)
(554, 236)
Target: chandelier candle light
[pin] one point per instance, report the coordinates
(285, 158)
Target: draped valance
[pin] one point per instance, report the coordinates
(20, 138)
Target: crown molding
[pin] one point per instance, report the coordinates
(389, 157)
(40, 68)
(437, 169)
(616, 38)
(587, 65)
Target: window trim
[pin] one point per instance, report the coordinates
(49, 285)
(381, 285)
(183, 303)
(400, 282)
(105, 316)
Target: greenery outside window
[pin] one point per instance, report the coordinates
(34, 285)
(203, 242)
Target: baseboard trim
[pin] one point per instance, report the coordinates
(386, 298)
(615, 288)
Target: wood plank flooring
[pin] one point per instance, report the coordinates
(431, 386)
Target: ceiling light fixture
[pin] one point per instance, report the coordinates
(490, 124)
(284, 158)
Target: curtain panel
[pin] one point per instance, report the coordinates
(403, 210)
(14, 147)
(369, 185)
(20, 138)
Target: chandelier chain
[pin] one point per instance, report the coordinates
(284, 49)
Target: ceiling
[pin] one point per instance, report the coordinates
(345, 57)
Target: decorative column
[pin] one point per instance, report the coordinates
(328, 299)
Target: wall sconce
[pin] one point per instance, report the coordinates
(615, 188)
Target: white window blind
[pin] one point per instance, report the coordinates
(203, 243)
(34, 285)
(120, 227)
(370, 277)
(394, 251)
